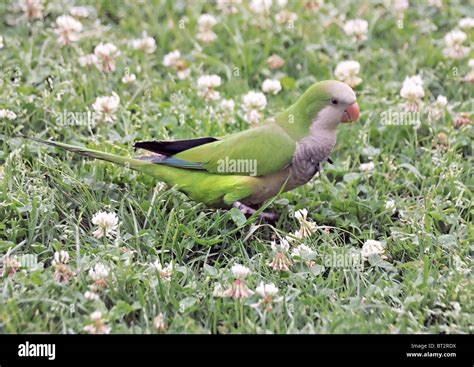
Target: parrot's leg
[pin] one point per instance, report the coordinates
(246, 210)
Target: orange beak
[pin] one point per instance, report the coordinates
(351, 113)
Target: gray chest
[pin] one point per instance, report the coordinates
(310, 153)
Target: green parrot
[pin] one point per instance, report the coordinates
(245, 169)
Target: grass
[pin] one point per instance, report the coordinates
(48, 197)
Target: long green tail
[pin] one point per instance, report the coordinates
(136, 164)
(199, 185)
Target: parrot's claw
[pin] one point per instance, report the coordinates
(268, 217)
(248, 211)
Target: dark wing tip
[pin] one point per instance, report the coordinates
(147, 145)
(169, 148)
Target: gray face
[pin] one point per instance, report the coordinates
(341, 92)
(340, 96)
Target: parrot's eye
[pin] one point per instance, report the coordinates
(334, 101)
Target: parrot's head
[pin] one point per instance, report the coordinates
(323, 106)
(333, 102)
(340, 101)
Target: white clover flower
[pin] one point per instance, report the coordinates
(268, 293)
(207, 36)
(164, 272)
(436, 3)
(183, 73)
(107, 224)
(98, 325)
(129, 78)
(456, 53)
(206, 22)
(290, 239)
(10, 265)
(441, 101)
(455, 37)
(145, 44)
(96, 315)
(7, 114)
(105, 109)
(228, 6)
(454, 45)
(367, 167)
(466, 23)
(209, 81)
(285, 16)
(280, 259)
(390, 204)
(307, 228)
(91, 296)
(302, 251)
(254, 101)
(372, 247)
(415, 79)
(1, 42)
(240, 271)
(399, 6)
(159, 322)
(206, 85)
(100, 271)
(272, 86)
(301, 214)
(32, 8)
(227, 105)
(62, 273)
(239, 288)
(260, 6)
(210, 94)
(357, 28)
(347, 72)
(253, 116)
(80, 11)
(172, 58)
(61, 257)
(470, 76)
(275, 61)
(412, 90)
(438, 108)
(87, 60)
(266, 290)
(67, 29)
(106, 54)
(218, 291)
(282, 246)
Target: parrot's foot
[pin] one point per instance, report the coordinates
(248, 211)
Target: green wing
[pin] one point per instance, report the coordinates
(255, 152)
